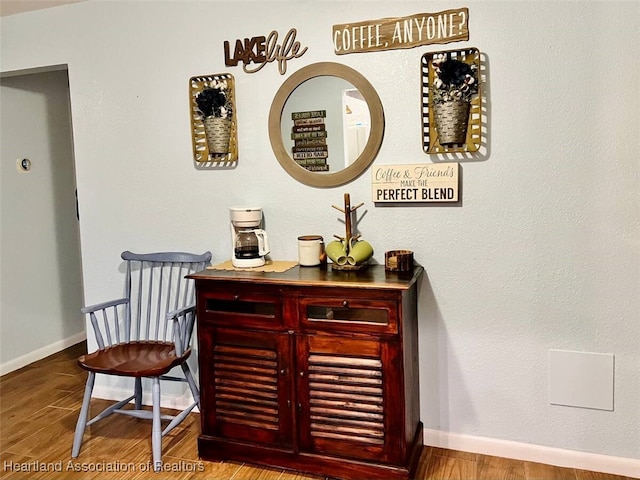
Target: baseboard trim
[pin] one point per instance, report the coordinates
(627, 467)
(40, 353)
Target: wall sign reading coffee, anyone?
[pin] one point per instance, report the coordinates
(401, 32)
(262, 50)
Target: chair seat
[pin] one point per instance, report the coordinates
(134, 359)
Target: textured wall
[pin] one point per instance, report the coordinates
(543, 252)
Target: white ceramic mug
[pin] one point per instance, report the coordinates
(310, 250)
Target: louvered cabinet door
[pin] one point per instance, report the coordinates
(346, 400)
(247, 396)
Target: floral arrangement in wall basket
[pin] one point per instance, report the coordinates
(455, 84)
(217, 111)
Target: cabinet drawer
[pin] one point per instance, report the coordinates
(240, 309)
(348, 314)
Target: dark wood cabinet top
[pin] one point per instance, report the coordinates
(373, 277)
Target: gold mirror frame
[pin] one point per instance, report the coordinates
(374, 142)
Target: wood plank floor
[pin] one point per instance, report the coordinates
(39, 406)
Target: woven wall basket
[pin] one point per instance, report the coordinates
(218, 133)
(452, 119)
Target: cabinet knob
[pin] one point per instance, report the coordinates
(283, 371)
(302, 374)
(345, 303)
(236, 297)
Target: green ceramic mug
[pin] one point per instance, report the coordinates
(337, 252)
(359, 252)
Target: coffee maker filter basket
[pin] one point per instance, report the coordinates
(246, 217)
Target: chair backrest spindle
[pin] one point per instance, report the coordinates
(117, 322)
(96, 329)
(168, 303)
(107, 330)
(148, 295)
(127, 312)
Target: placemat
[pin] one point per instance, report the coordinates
(271, 266)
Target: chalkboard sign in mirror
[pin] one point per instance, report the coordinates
(326, 124)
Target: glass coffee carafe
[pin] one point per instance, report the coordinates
(250, 244)
(246, 245)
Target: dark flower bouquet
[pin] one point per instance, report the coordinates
(213, 100)
(454, 79)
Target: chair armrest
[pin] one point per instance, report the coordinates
(184, 319)
(109, 316)
(104, 305)
(180, 312)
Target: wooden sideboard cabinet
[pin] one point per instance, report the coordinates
(311, 369)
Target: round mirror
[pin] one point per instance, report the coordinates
(326, 124)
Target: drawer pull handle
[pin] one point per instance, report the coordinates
(236, 297)
(345, 303)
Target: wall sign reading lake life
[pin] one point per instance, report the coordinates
(433, 182)
(262, 50)
(401, 32)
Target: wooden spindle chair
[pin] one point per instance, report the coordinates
(145, 334)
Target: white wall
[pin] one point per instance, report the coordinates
(543, 253)
(41, 272)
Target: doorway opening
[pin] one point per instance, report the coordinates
(41, 277)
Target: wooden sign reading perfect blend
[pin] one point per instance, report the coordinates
(401, 32)
(437, 182)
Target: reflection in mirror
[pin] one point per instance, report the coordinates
(330, 118)
(346, 124)
(357, 124)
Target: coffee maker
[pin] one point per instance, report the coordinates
(250, 243)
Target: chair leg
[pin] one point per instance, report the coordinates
(192, 383)
(137, 391)
(82, 418)
(156, 429)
